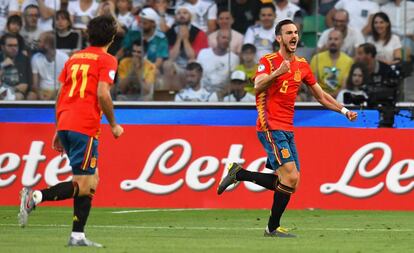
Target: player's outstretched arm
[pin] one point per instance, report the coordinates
(105, 101)
(329, 102)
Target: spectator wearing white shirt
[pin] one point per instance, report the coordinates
(238, 81)
(352, 37)
(388, 45)
(47, 10)
(262, 35)
(225, 21)
(194, 92)
(81, 12)
(285, 9)
(47, 65)
(123, 13)
(204, 14)
(217, 63)
(360, 13)
(31, 31)
(401, 14)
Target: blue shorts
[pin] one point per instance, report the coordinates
(82, 151)
(280, 148)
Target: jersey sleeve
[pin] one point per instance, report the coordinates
(107, 68)
(309, 79)
(263, 67)
(62, 76)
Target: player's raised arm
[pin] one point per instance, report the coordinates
(105, 102)
(329, 102)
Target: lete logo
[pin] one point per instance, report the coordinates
(359, 161)
(204, 166)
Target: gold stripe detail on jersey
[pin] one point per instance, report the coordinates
(261, 110)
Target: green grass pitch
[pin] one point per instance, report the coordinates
(189, 230)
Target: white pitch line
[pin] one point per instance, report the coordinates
(161, 210)
(211, 228)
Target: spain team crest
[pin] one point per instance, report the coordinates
(285, 153)
(298, 76)
(93, 162)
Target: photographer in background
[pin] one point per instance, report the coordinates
(379, 72)
(355, 84)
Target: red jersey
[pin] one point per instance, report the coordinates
(78, 108)
(276, 105)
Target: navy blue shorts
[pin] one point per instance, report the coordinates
(82, 151)
(280, 148)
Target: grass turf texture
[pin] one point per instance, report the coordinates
(209, 231)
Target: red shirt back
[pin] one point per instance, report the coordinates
(276, 105)
(78, 107)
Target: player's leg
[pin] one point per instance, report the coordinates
(85, 174)
(288, 180)
(237, 173)
(61, 191)
(81, 207)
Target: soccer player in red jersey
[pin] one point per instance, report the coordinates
(84, 94)
(277, 81)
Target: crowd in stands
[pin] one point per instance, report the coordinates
(203, 50)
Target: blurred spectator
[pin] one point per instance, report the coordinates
(352, 37)
(204, 14)
(193, 91)
(15, 70)
(332, 67)
(217, 63)
(356, 81)
(30, 31)
(401, 14)
(245, 14)
(14, 26)
(360, 13)
(248, 65)
(325, 6)
(378, 71)
(4, 13)
(185, 41)
(166, 19)
(225, 21)
(67, 40)
(388, 45)
(123, 13)
(47, 9)
(262, 35)
(154, 42)
(81, 12)
(136, 76)
(238, 81)
(47, 65)
(285, 9)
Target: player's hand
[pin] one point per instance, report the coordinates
(284, 67)
(56, 144)
(351, 115)
(117, 131)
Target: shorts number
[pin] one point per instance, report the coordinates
(75, 68)
(284, 87)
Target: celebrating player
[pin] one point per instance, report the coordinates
(85, 92)
(277, 81)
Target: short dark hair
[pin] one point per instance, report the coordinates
(247, 47)
(195, 66)
(7, 36)
(14, 19)
(221, 10)
(268, 5)
(101, 30)
(279, 26)
(30, 6)
(137, 43)
(369, 49)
